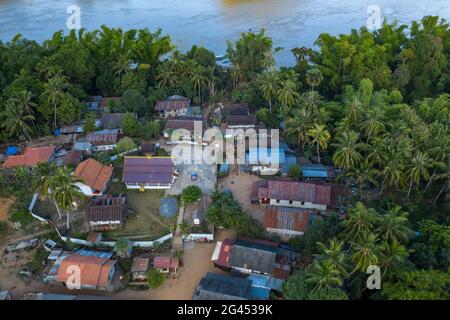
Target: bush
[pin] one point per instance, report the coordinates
(125, 144)
(191, 194)
(295, 172)
(155, 279)
(3, 229)
(130, 125)
(22, 216)
(227, 212)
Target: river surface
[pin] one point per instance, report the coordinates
(211, 23)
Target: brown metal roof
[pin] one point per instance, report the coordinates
(140, 265)
(73, 157)
(94, 270)
(242, 120)
(299, 191)
(172, 104)
(286, 218)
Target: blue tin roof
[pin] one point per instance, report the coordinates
(92, 253)
(260, 293)
(12, 150)
(314, 171)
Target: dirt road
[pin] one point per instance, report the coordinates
(197, 262)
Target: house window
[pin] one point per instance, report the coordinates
(290, 202)
(302, 203)
(278, 200)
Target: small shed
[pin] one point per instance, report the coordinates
(166, 264)
(139, 269)
(168, 207)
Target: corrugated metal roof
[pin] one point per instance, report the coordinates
(148, 170)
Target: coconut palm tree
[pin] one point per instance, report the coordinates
(16, 121)
(394, 225)
(366, 252)
(392, 174)
(373, 122)
(364, 173)
(360, 221)
(54, 94)
(287, 93)
(445, 176)
(334, 254)
(322, 275)
(24, 99)
(393, 256)
(417, 169)
(166, 76)
(65, 190)
(198, 79)
(298, 126)
(320, 136)
(268, 85)
(347, 154)
(43, 182)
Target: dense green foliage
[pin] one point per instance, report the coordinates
(155, 278)
(191, 194)
(226, 212)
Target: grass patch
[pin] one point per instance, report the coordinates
(146, 224)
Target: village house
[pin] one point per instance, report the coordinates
(166, 264)
(93, 103)
(103, 140)
(94, 175)
(287, 222)
(234, 109)
(254, 256)
(215, 286)
(187, 123)
(310, 195)
(299, 194)
(139, 269)
(105, 213)
(174, 106)
(73, 157)
(107, 102)
(112, 120)
(241, 121)
(144, 173)
(97, 273)
(30, 158)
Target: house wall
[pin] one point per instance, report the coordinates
(174, 113)
(285, 233)
(147, 186)
(105, 147)
(98, 225)
(298, 204)
(87, 191)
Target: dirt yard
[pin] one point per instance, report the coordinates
(5, 204)
(241, 187)
(197, 262)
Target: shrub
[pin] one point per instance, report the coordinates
(22, 216)
(155, 279)
(125, 144)
(191, 194)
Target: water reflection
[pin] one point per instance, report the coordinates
(211, 22)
